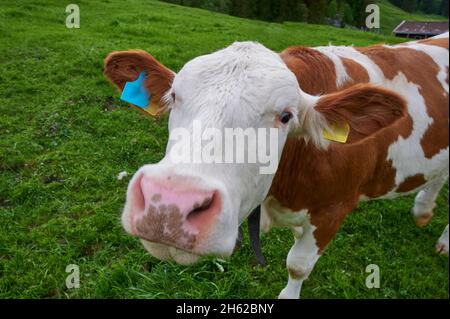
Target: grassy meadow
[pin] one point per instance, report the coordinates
(65, 136)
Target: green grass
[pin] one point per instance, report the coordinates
(391, 16)
(65, 137)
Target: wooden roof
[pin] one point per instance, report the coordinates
(422, 27)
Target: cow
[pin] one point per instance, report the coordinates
(393, 98)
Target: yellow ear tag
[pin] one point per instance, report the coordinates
(338, 132)
(151, 109)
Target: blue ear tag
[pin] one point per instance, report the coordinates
(136, 93)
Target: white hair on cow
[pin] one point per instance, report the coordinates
(312, 124)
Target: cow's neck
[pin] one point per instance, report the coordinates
(303, 168)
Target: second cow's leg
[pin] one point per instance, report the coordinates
(300, 261)
(442, 244)
(310, 241)
(426, 201)
(423, 211)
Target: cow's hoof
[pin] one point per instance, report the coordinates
(442, 249)
(288, 294)
(285, 296)
(423, 220)
(442, 244)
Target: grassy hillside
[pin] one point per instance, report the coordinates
(65, 137)
(391, 16)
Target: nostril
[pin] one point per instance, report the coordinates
(199, 208)
(203, 213)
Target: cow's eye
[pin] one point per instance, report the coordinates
(285, 117)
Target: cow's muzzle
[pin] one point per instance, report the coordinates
(172, 211)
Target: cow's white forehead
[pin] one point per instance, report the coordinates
(236, 58)
(245, 74)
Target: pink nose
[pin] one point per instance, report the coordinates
(172, 212)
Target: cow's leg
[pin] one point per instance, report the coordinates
(300, 261)
(426, 201)
(310, 241)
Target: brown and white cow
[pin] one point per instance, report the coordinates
(394, 98)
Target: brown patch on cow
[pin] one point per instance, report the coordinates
(411, 183)
(328, 220)
(164, 224)
(315, 72)
(309, 178)
(156, 198)
(442, 42)
(355, 71)
(420, 69)
(125, 66)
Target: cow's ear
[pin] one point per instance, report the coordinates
(125, 66)
(359, 111)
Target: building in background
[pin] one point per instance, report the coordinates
(420, 29)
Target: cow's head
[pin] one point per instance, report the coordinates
(181, 211)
